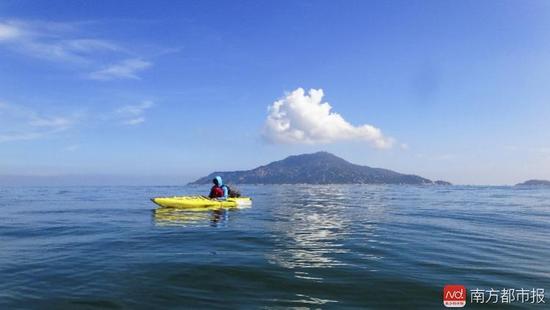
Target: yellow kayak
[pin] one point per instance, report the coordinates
(200, 202)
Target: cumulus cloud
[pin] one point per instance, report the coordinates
(304, 118)
(21, 123)
(133, 114)
(126, 69)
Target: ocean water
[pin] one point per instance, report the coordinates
(295, 247)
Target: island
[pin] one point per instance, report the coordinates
(544, 183)
(317, 168)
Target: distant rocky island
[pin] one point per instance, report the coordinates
(316, 168)
(535, 183)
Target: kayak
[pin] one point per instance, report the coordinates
(200, 202)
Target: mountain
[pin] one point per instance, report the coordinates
(535, 183)
(316, 168)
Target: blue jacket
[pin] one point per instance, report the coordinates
(224, 187)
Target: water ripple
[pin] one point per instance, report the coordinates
(298, 246)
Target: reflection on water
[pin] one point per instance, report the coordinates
(306, 300)
(310, 240)
(176, 217)
(315, 231)
(181, 217)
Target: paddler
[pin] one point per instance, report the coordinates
(219, 190)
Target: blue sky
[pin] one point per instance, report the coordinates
(168, 91)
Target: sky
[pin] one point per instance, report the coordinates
(164, 92)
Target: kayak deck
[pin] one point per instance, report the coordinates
(200, 202)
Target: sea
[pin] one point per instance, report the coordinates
(295, 247)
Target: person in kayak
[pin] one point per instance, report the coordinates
(219, 190)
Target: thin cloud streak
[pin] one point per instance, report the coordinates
(64, 43)
(58, 42)
(134, 121)
(8, 32)
(132, 115)
(20, 123)
(126, 69)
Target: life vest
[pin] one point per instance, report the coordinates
(216, 192)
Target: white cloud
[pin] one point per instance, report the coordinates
(71, 148)
(20, 123)
(136, 109)
(304, 118)
(52, 41)
(50, 122)
(9, 32)
(134, 121)
(126, 69)
(66, 43)
(134, 114)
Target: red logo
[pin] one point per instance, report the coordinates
(454, 296)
